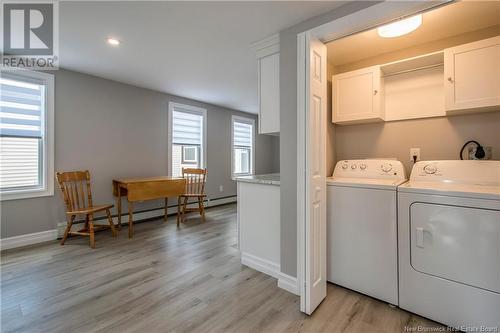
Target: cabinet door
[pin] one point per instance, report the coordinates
(269, 94)
(356, 96)
(472, 76)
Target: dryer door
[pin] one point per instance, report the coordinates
(457, 243)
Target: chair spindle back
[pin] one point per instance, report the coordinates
(195, 180)
(75, 187)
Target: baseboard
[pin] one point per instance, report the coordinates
(151, 214)
(49, 235)
(28, 239)
(288, 283)
(261, 265)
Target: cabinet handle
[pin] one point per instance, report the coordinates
(450, 79)
(375, 92)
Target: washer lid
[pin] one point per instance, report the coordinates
(474, 179)
(386, 184)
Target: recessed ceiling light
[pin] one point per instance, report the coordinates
(401, 27)
(113, 41)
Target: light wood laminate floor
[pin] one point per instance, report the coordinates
(169, 280)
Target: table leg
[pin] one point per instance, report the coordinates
(178, 210)
(130, 219)
(91, 230)
(166, 209)
(119, 208)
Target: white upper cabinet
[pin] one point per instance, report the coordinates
(269, 94)
(268, 64)
(472, 77)
(357, 96)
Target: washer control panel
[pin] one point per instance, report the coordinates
(386, 167)
(369, 168)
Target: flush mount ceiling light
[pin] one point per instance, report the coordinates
(401, 27)
(113, 41)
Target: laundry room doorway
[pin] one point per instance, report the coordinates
(311, 138)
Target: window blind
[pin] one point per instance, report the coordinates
(21, 108)
(187, 127)
(242, 134)
(19, 162)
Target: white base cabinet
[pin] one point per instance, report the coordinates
(259, 227)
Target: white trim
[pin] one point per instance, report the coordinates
(250, 121)
(47, 188)
(372, 17)
(194, 109)
(364, 19)
(238, 209)
(288, 283)
(267, 46)
(259, 94)
(28, 239)
(301, 166)
(261, 265)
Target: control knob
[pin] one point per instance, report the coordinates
(386, 167)
(430, 169)
(353, 166)
(344, 166)
(362, 166)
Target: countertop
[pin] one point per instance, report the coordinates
(267, 179)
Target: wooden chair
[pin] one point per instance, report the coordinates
(195, 188)
(75, 187)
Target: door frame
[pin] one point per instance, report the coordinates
(359, 21)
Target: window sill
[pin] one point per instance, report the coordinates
(27, 194)
(235, 176)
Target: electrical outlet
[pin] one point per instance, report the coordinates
(221, 188)
(414, 152)
(472, 151)
(489, 153)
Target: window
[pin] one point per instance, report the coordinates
(243, 146)
(190, 155)
(26, 134)
(187, 135)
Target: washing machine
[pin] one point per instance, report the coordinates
(449, 243)
(362, 226)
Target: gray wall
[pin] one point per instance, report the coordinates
(117, 130)
(288, 128)
(438, 138)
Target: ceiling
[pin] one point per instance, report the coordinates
(199, 50)
(447, 21)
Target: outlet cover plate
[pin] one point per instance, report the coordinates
(472, 151)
